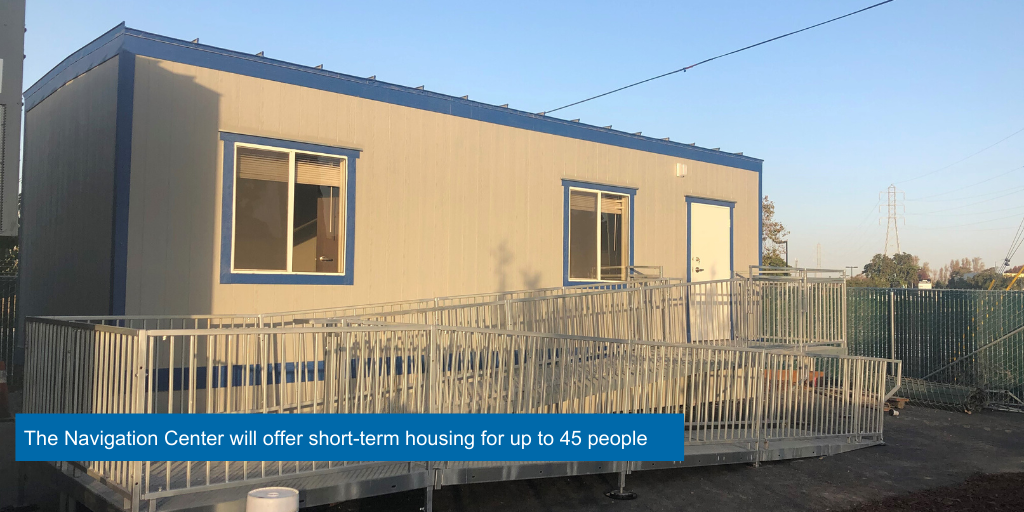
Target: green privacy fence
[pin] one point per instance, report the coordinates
(961, 349)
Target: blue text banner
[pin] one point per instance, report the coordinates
(340, 437)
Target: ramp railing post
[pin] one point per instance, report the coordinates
(430, 390)
(430, 384)
(760, 415)
(138, 405)
(428, 499)
(892, 323)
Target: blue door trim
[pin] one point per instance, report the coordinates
(566, 185)
(731, 205)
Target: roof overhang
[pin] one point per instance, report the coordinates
(122, 39)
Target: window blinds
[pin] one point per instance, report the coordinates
(613, 204)
(260, 164)
(585, 201)
(318, 170)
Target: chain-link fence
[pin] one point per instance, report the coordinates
(961, 349)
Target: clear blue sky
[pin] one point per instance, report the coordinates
(837, 113)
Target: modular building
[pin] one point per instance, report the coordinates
(12, 54)
(235, 214)
(163, 176)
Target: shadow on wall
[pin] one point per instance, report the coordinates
(176, 183)
(503, 258)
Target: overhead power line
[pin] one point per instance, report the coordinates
(705, 61)
(849, 241)
(946, 213)
(1010, 193)
(967, 198)
(976, 153)
(1018, 240)
(975, 223)
(958, 189)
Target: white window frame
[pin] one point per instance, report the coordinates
(597, 247)
(343, 218)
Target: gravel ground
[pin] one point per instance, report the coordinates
(990, 493)
(925, 449)
(932, 459)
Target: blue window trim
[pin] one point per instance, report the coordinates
(228, 211)
(731, 205)
(176, 50)
(566, 185)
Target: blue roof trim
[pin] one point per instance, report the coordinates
(166, 48)
(100, 50)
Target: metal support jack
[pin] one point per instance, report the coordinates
(621, 493)
(433, 483)
(428, 500)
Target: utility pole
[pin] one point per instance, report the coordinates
(818, 260)
(852, 269)
(894, 213)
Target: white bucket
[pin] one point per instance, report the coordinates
(272, 499)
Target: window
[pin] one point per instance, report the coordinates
(289, 212)
(598, 239)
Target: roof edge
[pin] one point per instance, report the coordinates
(123, 38)
(45, 84)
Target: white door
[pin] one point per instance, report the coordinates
(710, 260)
(710, 242)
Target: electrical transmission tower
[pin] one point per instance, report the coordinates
(894, 213)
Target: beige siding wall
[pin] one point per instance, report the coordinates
(444, 205)
(68, 189)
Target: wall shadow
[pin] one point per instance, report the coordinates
(176, 194)
(503, 263)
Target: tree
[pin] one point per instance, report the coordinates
(978, 281)
(863, 281)
(9, 249)
(773, 236)
(925, 273)
(8, 255)
(958, 271)
(899, 271)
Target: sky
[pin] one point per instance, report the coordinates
(913, 93)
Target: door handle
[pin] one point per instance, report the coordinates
(325, 258)
(698, 269)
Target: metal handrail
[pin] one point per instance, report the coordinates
(417, 368)
(642, 346)
(640, 272)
